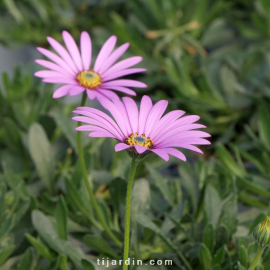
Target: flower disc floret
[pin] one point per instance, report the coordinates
(89, 79)
(140, 140)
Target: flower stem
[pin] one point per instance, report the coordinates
(134, 164)
(87, 184)
(256, 259)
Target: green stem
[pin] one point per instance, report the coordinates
(87, 184)
(256, 259)
(134, 164)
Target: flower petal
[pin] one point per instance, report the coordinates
(129, 83)
(113, 57)
(62, 91)
(161, 153)
(76, 90)
(140, 149)
(176, 153)
(104, 52)
(50, 74)
(91, 94)
(63, 53)
(60, 80)
(122, 73)
(86, 50)
(52, 66)
(145, 108)
(121, 146)
(132, 111)
(73, 49)
(109, 94)
(121, 89)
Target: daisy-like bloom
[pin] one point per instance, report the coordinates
(144, 131)
(72, 68)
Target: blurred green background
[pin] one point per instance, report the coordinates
(207, 57)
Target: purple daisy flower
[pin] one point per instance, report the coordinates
(71, 67)
(144, 131)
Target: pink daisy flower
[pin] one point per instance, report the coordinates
(72, 68)
(144, 131)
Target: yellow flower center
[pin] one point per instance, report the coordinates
(139, 140)
(89, 79)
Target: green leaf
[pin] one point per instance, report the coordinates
(118, 189)
(146, 222)
(213, 205)
(161, 184)
(97, 243)
(219, 256)
(27, 260)
(5, 227)
(87, 265)
(41, 153)
(63, 262)
(205, 257)
(60, 215)
(228, 161)
(209, 237)
(5, 252)
(222, 236)
(243, 255)
(40, 247)
(264, 127)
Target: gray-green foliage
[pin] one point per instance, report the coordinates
(209, 58)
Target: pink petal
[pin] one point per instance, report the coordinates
(73, 49)
(132, 111)
(50, 74)
(121, 146)
(113, 57)
(129, 83)
(109, 94)
(100, 135)
(176, 153)
(60, 80)
(121, 89)
(76, 90)
(52, 66)
(63, 53)
(62, 91)
(175, 142)
(86, 50)
(104, 52)
(164, 124)
(121, 73)
(91, 94)
(140, 149)
(154, 116)
(59, 61)
(124, 64)
(145, 108)
(161, 153)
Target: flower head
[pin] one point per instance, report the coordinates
(72, 67)
(144, 131)
(262, 233)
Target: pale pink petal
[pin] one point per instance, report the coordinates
(140, 149)
(175, 142)
(60, 80)
(161, 153)
(63, 53)
(86, 50)
(91, 94)
(52, 66)
(124, 64)
(132, 111)
(122, 73)
(121, 146)
(175, 153)
(50, 74)
(76, 90)
(129, 83)
(154, 116)
(100, 134)
(73, 49)
(62, 91)
(145, 108)
(113, 57)
(104, 53)
(109, 94)
(121, 89)
(59, 61)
